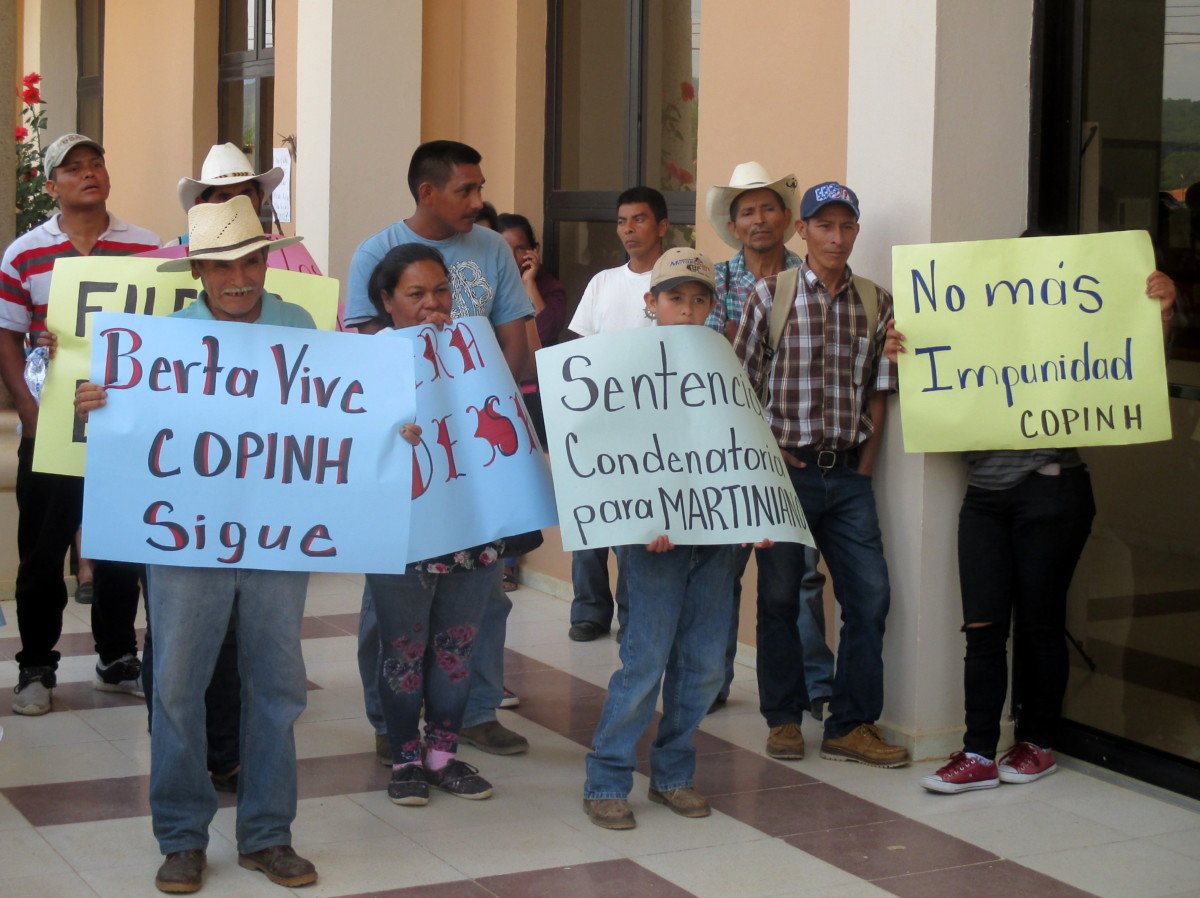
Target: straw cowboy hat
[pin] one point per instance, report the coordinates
(225, 164)
(748, 176)
(221, 232)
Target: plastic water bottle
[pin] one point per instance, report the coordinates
(35, 371)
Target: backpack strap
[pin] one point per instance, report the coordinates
(782, 298)
(868, 294)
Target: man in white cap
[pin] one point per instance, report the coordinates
(50, 505)
(191, 610)
(753, 214)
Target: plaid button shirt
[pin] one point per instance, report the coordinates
(825, 367)
(734, 286)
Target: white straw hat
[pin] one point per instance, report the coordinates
(223, 232)
(225, 164)
(748, 176)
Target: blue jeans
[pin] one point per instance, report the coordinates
(678, 623)
(190, 610)
(840, 507)
(593, 601)
(370, 660)
(818, 657)
(428, 625)
(487, 668)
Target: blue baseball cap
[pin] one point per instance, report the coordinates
(823, 194)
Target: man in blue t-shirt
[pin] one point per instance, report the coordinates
(447, 183)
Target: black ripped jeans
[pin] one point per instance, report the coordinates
(1017, 551)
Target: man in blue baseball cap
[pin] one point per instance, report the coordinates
(811, 340)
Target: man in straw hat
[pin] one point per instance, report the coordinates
(811, 341)
(753, 214)
(190, 611)
(50, 505)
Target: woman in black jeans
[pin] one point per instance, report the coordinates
(1023, 524)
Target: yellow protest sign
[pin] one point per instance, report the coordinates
(1030, 343)
(82, 286)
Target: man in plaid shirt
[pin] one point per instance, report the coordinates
(826, 382)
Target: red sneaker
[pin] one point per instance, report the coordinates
(963, 773)
(1025, 762)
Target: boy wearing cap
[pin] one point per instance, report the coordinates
(50, 505)
(826, 380)
(679, 607)
(191, 610)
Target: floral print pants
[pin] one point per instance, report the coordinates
(427, 628)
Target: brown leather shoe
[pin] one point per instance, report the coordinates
(383, 750)
(786, 742)
(684, 802)
(281, 865)
(864, 745)
(181, 872)
(609, 813)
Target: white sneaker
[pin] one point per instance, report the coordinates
(122, 675)
(32, 695)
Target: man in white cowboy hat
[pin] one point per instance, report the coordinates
(227, 173)
(812, 341)
(753, 214)
(50, 505)
(191, 609)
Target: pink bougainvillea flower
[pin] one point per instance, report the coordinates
(21, 133)
(31, 79)
(686, 90)
(31, 95)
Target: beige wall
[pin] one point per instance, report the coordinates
(761, 99)
(484, 83)
(160, 104)
(358, 113)
(285, 87)
(929, 167)
(48, 47)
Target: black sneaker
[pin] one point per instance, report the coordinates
(461, 779)
(122, 675)
(409, 786)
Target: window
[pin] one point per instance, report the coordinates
(246, 93)
(89, 88)
(622, 102)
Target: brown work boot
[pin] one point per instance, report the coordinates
(494, 738)
(181, 872)
(609, 813)
(864, 745)
(684, 802)
(786, 742)
(281, 865)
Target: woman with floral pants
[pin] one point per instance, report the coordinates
(428, 619)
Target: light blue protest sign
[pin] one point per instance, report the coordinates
(657, 431)
(247, 445)
(478, 473)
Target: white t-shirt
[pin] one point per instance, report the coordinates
(615, 300)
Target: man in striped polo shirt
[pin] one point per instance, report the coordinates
(50, 505)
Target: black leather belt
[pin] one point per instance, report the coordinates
(827, 459)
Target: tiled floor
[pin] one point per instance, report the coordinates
(74, 815)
